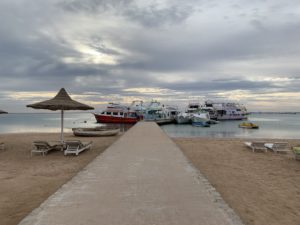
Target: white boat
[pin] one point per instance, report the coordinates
(95, 131)
(159, 113)
(208, 107)
(192, 107)
(229, 110)
(138, 107)
(183, 118)
(200, 119)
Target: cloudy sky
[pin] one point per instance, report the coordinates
(169, 50)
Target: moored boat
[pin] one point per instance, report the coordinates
(248, 125)
(160, 114)
(228, 110)
(116, 113)
(200, 119)
(95, 132)
(183, 118)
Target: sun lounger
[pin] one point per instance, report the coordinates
(42, 147)
(296, 151)
(278, 147)
(75, 147)
(1, 146)
(256, 146)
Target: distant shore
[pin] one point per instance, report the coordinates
(263, 188)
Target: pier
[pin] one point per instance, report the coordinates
(141, 179)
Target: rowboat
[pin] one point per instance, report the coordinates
(95, 132)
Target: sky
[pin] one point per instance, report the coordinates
(173, 51)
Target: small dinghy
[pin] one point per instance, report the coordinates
(248, 125)
(95, 131)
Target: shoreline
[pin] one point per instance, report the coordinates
(66, 132)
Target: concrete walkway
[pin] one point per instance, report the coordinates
(142, 179)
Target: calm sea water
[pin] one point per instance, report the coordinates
(271, 125)
(43, 122)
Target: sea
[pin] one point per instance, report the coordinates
(281, 126)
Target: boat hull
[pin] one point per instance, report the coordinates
(200, 120)
(93, 132)
(160, 121)
(231, 117)
(200, 124)
(182, 119)
(115, 119)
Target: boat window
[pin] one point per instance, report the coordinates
(102, 113)
(222, 112)
(108, 113)
(121, 113)
(115, 113)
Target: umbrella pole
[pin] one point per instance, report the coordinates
(62, 127)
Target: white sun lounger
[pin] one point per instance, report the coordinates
(278, 147)
(42, 147)
(296, 151)
(258, 145)
(75, 147)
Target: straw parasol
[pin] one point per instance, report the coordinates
(62, 101)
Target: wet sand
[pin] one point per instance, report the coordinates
(263, 188)
(27, 181)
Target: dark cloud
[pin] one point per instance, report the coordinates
(150, 15)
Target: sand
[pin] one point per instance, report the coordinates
(263, 188)
(27, 181)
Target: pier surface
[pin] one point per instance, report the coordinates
(142, 179)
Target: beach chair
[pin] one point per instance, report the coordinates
(258, 145)
(278, 147)
(76, 146)
(296, 151)
(1, 146)
(42, 147)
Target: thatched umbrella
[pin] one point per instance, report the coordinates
(62, 101)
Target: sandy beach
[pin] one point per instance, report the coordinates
(263, 188)
(27, 181)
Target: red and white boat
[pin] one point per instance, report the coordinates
(116, 113)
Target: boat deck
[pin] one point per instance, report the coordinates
(143, 178)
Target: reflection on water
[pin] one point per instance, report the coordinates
(270, 126)
(263, 119)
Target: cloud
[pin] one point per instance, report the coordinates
(170, 50)
(146, 13)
